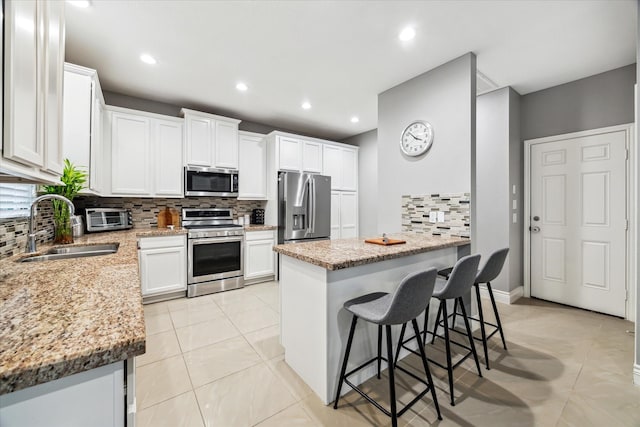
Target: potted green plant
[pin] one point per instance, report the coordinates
(73, 180)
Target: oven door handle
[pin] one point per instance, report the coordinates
(210, 240)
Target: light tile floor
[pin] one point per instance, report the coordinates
(216, 361)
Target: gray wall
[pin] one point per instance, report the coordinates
(367, 181)
(498, 168)
(605, 99)
(445, 97)
(126, 101)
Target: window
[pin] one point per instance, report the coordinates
(15, 199)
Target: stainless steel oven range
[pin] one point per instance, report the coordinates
(215, 251)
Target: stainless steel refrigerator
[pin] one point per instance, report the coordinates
(304, 207)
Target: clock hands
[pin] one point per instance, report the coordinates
(413, 136)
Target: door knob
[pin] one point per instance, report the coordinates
(536, 218)
(534, 229)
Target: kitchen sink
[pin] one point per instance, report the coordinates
(74, 252)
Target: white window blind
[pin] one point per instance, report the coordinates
(15, 199)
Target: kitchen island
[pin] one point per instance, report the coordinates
(316, 278)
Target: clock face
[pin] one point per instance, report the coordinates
(417, 138)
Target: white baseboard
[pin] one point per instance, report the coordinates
(503, 297)
(636, 374)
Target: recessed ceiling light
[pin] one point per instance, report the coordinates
(242, 87)
(148, 59)
(407, 34)
(79, 3)
(306, 105)
(355, 119)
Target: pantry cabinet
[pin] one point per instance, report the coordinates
(163, 265)
(341, 164)
(145, 154)
(252, 166)
(32, 105)
(210, 140)
(344, 214)
(259, 258)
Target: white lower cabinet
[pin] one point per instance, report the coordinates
(344, 214)
(259, 258)
(91, 398)
(163, 265)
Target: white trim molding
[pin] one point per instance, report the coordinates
(636, 374)
(503, 297)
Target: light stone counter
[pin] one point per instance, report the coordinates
(61, 317)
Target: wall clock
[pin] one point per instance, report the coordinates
(417, 138)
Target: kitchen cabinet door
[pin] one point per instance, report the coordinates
(332, 165)
(22, 143)
(167, 137)
(53, 25)
(259, 259)
(226, 145)
(163, 270)
(311, 157)
(199, 141)
(335, 215)
(130, 155)
(77, 118)
(348, 215)
(349, 169)
(289, 154)
(97, 164)
(252, 167)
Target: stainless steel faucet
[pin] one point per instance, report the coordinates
(31, 237)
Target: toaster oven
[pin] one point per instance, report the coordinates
(108, 219)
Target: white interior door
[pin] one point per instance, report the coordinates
(578, 222)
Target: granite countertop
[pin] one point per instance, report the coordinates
(62, 317)
(256, 227)
(154, 232)
(345, 253)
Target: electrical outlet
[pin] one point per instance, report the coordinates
(433, 217)
(440, 216)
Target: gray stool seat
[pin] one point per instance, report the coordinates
(489, 272)
(410, 298)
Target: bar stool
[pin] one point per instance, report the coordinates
(384, 309)
(455, 287)
(489, 272)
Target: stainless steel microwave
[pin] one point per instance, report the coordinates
(199, 181)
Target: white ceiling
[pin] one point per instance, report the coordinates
(337, 54)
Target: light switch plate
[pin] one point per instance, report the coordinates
(440, 216)
(433, 217)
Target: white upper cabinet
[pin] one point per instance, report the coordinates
(32, 105)
(311, 157)
(146, 154)
(82, 130)
(199, 141)
(341, 164)
(252, 167)
(299, 155)
(211, 141)
(226, 145)
(289, 154)
(168, 158)
(130, 154)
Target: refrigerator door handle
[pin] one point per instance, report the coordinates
(313, 197)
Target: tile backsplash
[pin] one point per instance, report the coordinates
(13, 231)
(455, 206)
(144, 211)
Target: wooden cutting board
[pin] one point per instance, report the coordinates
(389, 242)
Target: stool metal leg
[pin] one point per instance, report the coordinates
(343, 370)
(379, 349)
(443, 308)
(455, 313)
(495, 311)
(426, 319)
(435, 327)
(395, 361)
(392, 387)
(426, 367)
(481, 317)
(471, 340)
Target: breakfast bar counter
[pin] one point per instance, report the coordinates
(316, 278)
